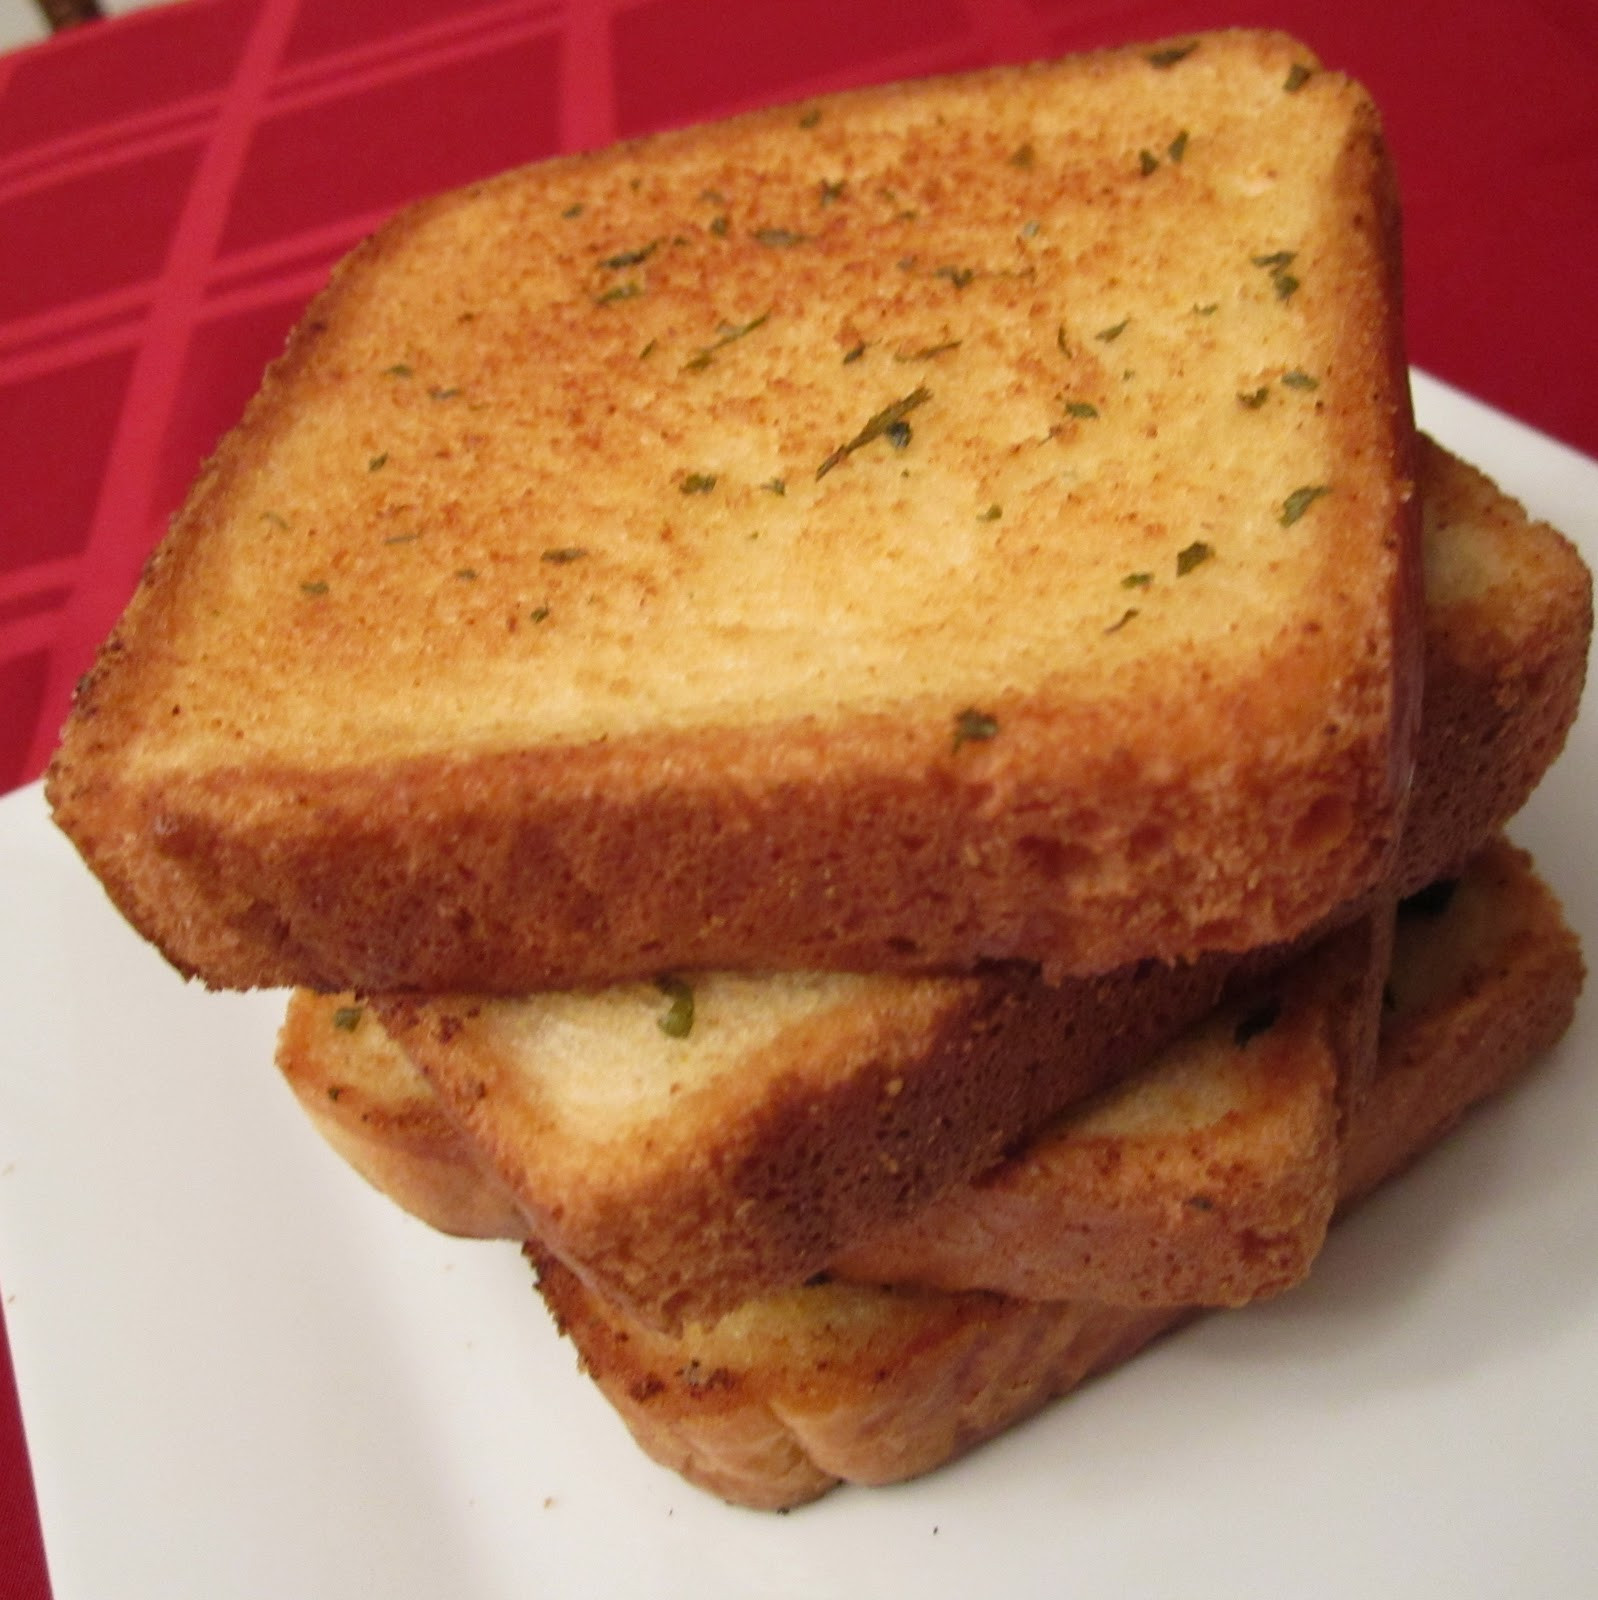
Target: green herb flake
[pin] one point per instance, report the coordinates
(958, 276)
(1111, 334)
(466, 574)
(348, 1018)
(1122, 620)
(335, 1091)
(898, 434)
(1260, 1020)
(1297, 76)
(622, 291)
(574, 210)
(630, 258)
(776, 486)
(1177, 147)
(853, 354)
(402, 538)
(1275, 261)
(974, 727)
(377, 463)
(730, 333)
(563, 554)
(1300, 380)
(1024, 158)
(698, 483)
(443, 394)
(1299, 501)
(1207, 310)
(1196, 554)
(876, 427)
(275, 519)
(1060, 341)
(1284, 283)
(1255, 398)
(1081, 409)
(831, 193)
(648, 350)
(718, 226)
(992, 514)
(810, 118)
(398, 370)
(677, 1020)
(1171, 54)
(1031, 229)
(1147, 162)
(1137, 580)
(538, 614)
(929, 352)
(779, 238)
(314, 586)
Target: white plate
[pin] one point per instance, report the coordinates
(244, 1375)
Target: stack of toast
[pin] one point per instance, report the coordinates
(870, 729)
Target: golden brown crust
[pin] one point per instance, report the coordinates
(843, 1382)
(269, 826)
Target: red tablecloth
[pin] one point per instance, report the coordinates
(175, 184)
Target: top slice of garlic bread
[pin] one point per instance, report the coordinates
(966, 519)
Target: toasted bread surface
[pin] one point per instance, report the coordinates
(842, 1382)
(968, 519)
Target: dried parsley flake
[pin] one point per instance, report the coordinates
(677, 1020)
(1171, 54)
(1194, 555)
(1299, 501)
(974, 727)
(877, 427)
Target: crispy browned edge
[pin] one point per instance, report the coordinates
(1231, 1212)
(941, 1373)
(403, 1145)
(544, 869)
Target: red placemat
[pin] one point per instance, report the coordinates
(175, 185)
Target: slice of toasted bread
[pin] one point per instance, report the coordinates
(793, 1393)
(964, 520)
(1508, 623)
(1506, 592)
